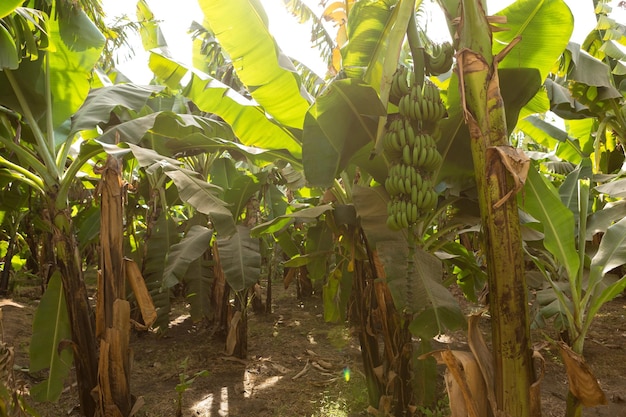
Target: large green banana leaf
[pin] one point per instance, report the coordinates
(541, 200)
(8, 6)
(341, 122)
(240, 258)
(422, 293)
(277, 224)
(51, 327)
(517, 86)
(191, 247)
(366, 26)
(247, 119)
(74, 47)
(318, 248)
(198, 282)
(192, 189)
(163, 236)
(101, 102)
(545, 27)
(241, 26)
(202, 196)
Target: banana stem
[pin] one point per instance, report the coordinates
(417, 50)
(410, 266)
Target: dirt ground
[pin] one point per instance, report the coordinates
(296, 365)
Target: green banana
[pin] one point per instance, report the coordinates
(406, 154)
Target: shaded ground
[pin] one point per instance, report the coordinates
(273, 380)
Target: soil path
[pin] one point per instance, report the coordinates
(296, 365)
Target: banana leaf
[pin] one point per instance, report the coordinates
(8, 6)
(76, 44)
(181, 255)
(534, 21)
(540, 200)
(318, 246)
(49, 346)
(240, 258)
(198, 282)
(342, 121)
(247, 119)
(100, 102)
(366, 26)
(157, 245)
(201, 195)
(277, 224)
(241, 27)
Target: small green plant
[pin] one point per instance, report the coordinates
(185, 382)
(441, 409)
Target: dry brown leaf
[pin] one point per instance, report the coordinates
(231, 339)
(464, 383)
(483, 356)
(379, 372)
(142, 295)
(303, 371)
(325, 364)
(582, 383)
(516, 163)
(283, 370)
(535, 388)
(289, 277)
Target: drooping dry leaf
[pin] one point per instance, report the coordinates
(483, 357)
(582, 383)
(289, 277)
(516, 163)
(142, 295)
(464, 382)
(231, 338)
(535, 388)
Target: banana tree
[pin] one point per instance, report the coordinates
(45, 76)
(576, 291)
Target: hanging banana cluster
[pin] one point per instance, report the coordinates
(400, 84)
(440, 60)
(411, 146)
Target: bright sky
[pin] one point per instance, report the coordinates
(176, 17)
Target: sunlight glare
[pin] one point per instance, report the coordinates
(203, 407)
(251, 387)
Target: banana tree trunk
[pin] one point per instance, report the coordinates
(113, 311)
(485, 117)
(80, 314)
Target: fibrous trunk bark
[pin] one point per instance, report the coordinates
(80, 314)
(113, 311)
(485, 117)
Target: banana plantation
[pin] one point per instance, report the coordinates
(453, 211)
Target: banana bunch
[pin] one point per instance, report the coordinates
(423, 104)
(440, 60)
(400, 84)
(414, 157)
(410, 143)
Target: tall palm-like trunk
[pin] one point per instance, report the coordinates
(491, 153)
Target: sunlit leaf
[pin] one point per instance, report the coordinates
(534, 21)
(75, 47)
(241, 28)
(8, 6)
